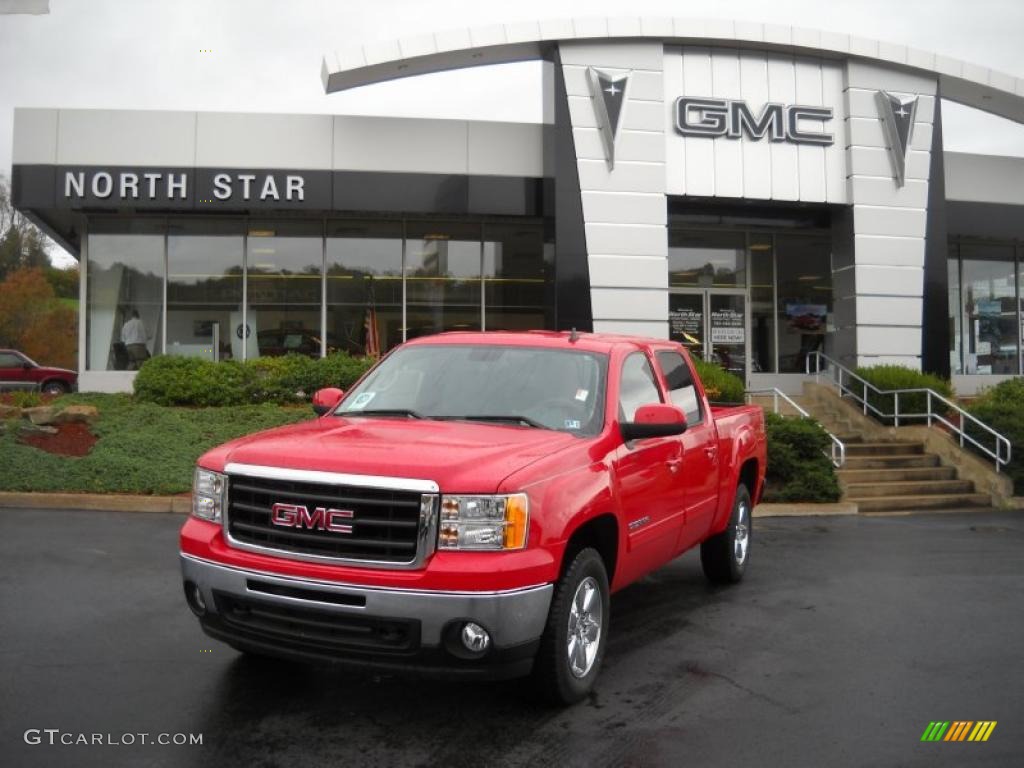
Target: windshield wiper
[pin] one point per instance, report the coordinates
(384, 412)
(524, 420)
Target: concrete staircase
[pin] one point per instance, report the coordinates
(884, 472)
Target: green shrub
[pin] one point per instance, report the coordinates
(1002, 408)
(720, 385)
(887, 377)
(170, 380)
(26, 399)
(798, 469)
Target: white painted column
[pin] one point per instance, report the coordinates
(624, 209)
(883, 284)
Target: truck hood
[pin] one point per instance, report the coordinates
(461, 457)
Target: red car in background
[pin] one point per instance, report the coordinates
(19, 371)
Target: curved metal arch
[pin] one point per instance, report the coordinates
(959, 81)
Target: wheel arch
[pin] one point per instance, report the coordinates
(602, 534)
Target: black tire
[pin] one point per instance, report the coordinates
(724, 556)
(552, 671)
(54, 388)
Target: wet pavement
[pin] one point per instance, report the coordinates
(847, 638)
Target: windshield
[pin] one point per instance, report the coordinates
(525, 386)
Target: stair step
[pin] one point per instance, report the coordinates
(904, 461)
(884, 449)
(914, 503)
(856, 491)
(851, 476)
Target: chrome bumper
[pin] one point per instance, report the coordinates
(512, 617)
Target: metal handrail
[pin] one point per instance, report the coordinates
(838, 454)
(843, 378)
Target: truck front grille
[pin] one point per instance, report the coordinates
(380, 525)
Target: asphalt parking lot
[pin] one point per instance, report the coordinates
(848, 636)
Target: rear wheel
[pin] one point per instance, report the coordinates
(725, 555)
(574, 640)
(54, 388)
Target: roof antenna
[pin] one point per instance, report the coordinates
(573, 336)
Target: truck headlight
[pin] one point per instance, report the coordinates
(209, 494)
(483, 522)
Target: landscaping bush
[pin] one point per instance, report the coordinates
(1002, 408)
(720, 385)
(26, 399)
(170, 380)
(898, 377)
(798, 470)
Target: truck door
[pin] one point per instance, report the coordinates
(650, 492)
(700, 467)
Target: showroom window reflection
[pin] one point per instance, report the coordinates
(241, 289)
(984, 308)
(124, 278)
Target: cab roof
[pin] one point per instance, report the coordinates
(590, 342)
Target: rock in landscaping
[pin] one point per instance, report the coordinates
(36, 429)
(42, 414)
(86, 414)
(9, 411)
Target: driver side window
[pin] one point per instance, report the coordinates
(637, 386)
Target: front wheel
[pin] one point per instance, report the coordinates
(574, 640)
(724, 556)
(54, 388)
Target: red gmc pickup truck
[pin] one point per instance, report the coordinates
(470, 505)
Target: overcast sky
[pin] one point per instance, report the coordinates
(144, 54)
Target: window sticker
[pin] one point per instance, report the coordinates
(362, 400)
(582, 394)
(572, 424)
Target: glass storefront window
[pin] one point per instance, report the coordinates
(706, 259)
(988, 295)
(284, 266)
(124, 301)
(204, 291)
(955, 326)
(762, 303)
(803, 268)
(514, 276)
(364, 284)
(442, 277)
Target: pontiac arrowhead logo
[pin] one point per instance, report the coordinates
(898, 115)
(609, 94)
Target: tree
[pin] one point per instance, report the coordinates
(22, 243)
(32, 320)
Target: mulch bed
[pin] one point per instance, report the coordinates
(73, 439)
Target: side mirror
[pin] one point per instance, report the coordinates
(654, 420)
(325, 399)
(27, 366)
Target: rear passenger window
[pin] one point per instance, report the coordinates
(682, 391)
(638, 386)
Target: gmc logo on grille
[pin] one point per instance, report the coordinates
(320, 519)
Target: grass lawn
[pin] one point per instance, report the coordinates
(141, 448)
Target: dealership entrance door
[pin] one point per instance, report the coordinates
(713, 323)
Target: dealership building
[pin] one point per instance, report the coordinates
(757, 192)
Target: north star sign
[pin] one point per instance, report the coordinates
(150, 186)
(733, 119)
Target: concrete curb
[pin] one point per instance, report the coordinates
(94, 502)
(805, 510)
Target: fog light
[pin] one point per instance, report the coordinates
(194, 598)
(475, 637)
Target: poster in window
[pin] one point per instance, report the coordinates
(806, 318)
(727, 327)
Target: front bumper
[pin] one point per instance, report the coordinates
(389, 628)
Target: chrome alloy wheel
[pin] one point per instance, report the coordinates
(584, 637)
(741, 538)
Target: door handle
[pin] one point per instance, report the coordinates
(674, 465)
(711, 451)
